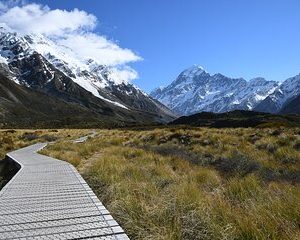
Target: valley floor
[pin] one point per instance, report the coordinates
(188, 183)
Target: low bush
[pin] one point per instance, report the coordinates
(49, 138)
(175, 151)
(236, 164)
(29, 136)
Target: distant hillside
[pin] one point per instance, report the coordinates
(237, 118)
(22, 107)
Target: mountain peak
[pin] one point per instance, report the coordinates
(197, 66)
(189, 75)
(193, 70)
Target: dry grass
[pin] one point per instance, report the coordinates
(13, 139)
(194, 183)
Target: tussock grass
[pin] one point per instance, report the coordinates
(200, 183)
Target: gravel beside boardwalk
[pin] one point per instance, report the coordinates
(48, 199)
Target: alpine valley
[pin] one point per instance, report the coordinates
(44, 83)
(195, 90)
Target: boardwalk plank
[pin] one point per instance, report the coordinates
(48, 199)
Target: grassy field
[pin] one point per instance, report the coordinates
(186, 183)
(14, 139)
(200, 183)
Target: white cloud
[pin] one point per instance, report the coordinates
(34, 18)
(74, 29)
(99, 48)
(124, 74)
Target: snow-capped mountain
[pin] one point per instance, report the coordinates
(195, 90)
(282, 96)
(41, 64)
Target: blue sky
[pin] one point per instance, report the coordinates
(239, 38)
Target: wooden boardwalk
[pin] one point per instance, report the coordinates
(48, 199)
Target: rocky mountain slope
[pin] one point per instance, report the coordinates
(284, 98)
(292, 106)
(18, 105)
(38, 63)
(195, 90)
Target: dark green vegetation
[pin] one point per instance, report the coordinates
(238, 118)
(194, 183)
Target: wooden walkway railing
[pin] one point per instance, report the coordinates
(48, 199)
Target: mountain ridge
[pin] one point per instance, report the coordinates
(35, 62)
(195, 90)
